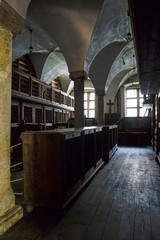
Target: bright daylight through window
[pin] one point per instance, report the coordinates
(89, 104)
(134, 103)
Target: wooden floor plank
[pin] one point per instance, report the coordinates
(142, 218)
(121, 202)
(96, 228)
(142, 229)
(79, 218)
(126, 229)
(114, 218)
(154, 214)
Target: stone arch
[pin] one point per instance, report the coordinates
(98, 71)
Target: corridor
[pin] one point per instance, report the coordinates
(122, 202)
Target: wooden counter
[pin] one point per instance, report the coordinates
(58, 163)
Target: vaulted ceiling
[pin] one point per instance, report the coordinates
(95, 36)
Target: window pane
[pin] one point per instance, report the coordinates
(91, 104)
(92, 96)
(85, 105)
(140, 94)
(141, 102)
(85, 96)
(142, 112)
(131, 102)
(132, 112)
(91, 113)
(85, 113)
(131, 93)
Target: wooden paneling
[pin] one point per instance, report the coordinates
(38, 115)
(135, 131)
(49, 116)
(58, 163)
(14, 113)
(28, 114)
(110, 141)
(112, 118)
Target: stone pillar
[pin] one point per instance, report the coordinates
(9, 23)
(78, 77)
(9, 213)
(100, 106)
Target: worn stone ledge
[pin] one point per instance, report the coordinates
(10, 218)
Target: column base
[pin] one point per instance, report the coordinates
(10, 218)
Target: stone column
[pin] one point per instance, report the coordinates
(9, 212)
(100, 106)
(78, 77)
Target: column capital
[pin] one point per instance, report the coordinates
(100, 93)
(10, 19)
(81, 74)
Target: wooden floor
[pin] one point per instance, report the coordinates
(121, 202)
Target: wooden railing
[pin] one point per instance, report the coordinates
(27, 84)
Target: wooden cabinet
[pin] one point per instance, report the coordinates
(58, 163)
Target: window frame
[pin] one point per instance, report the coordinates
(87, 102)
(139, 97)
